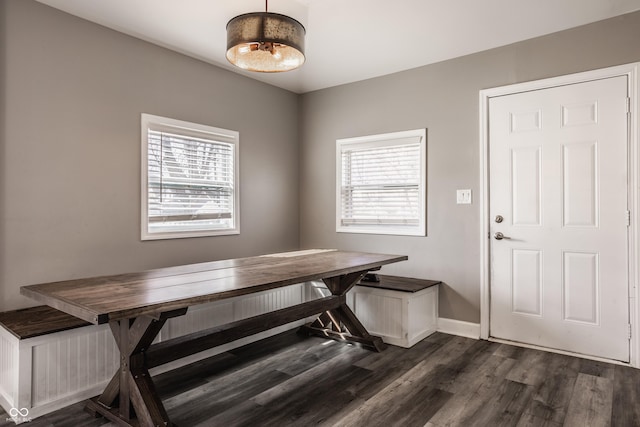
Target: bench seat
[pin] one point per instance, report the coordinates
(402, 284)
(37, 321)
(401, 310)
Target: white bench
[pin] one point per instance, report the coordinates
(401, 310)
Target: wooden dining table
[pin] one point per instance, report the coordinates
(137, 305)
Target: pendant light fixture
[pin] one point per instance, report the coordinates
(265, 42)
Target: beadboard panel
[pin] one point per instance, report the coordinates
(198, 318)
(423, 319)
(381, 314)
(263, 302)
(77, 362)
(8, 364)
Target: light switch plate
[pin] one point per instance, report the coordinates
(463, 197)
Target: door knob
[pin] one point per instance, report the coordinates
(500, 236)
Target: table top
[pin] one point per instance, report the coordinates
(124, 296)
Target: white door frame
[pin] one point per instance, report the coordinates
(629, 70)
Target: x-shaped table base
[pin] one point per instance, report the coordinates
(131, 399)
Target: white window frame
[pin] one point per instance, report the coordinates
(382, 140)
(158, 123)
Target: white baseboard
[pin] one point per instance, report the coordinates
(458, 327)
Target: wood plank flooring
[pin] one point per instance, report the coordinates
(290, 380)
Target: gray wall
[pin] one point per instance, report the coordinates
(72, 96)
(443, 98)
(72, 93)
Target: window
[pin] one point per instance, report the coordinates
(189, 179)
(381, 184)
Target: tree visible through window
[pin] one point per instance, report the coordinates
(381, 184)
(190, 184)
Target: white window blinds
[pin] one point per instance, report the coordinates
(382, 184)
(191, 179)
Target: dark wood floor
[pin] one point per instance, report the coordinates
(288, 380)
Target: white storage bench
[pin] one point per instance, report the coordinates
(401, 310)
(39, 349)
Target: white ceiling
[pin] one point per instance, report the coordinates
(348, 40)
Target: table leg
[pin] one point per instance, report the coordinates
(336, 322)
(130, 398)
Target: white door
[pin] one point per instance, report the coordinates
(558, 193)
